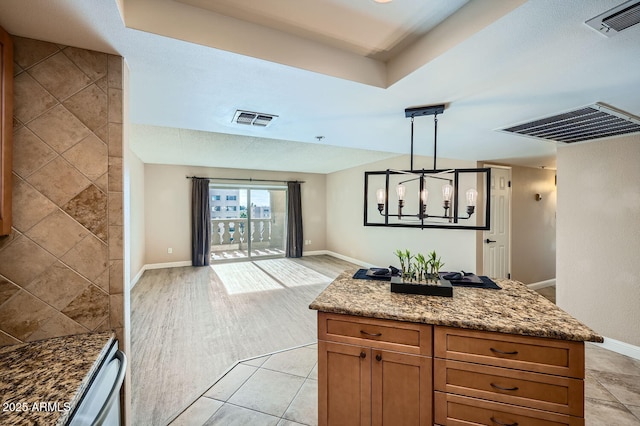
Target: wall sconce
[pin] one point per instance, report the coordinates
(423, 212)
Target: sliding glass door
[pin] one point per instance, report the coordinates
(247, 222)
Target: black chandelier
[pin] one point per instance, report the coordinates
(417, 211)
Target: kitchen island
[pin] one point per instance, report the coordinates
(483, 356)
(42, 382)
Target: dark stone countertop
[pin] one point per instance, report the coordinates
(46, 379)
(515, 309)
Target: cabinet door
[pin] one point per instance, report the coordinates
(401, 389)
(344, 384)
(6, 129)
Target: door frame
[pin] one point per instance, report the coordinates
(480, 245)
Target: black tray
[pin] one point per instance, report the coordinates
(444, 288)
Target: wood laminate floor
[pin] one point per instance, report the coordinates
(189, 325)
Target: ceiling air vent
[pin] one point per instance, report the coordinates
(617, 19)
(253, 118)
(583, 124)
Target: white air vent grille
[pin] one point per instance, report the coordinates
(253, 118)
(583, 124)
(617, 19)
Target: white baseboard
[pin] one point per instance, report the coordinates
(343, 257)
(542, 284)
(620, 347)
(135, 279)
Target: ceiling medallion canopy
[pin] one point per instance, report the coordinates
(414, 209)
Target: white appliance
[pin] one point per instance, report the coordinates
(100, 404)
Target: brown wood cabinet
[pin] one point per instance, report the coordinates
(484, 378)
(380, 372)
(373, 372)
(6, 129)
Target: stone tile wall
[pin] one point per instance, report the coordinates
(61, 268)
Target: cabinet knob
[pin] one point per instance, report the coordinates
(378, 357)
(363, 354)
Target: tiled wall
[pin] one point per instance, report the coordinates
(61, 268)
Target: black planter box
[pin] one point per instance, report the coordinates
(442, 288)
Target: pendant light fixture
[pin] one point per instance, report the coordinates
(416, 207)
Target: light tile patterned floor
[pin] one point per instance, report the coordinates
(280, 389)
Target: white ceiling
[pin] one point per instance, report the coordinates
(346, 70)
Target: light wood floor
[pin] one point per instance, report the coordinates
(188, 327)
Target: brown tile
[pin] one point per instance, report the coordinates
(116, 310)
(116, 215)
(104, 326)
(27, 51)
(102, 133)
(16, 124)
(57, 233)
(6, 339)
(115, 174)
(90, 308)
(59, 76)
(625, 387)
(116, 277)
(6, 239)
(29, 152)
(115, 72)
(116, 249)
(58, 325)
(58, 286)
(115, 105)
(7, 289)
(89, 258)
(29, 206)
(601, 413)
(102, 182)
(92, 63)
(102, 84)
(90, 106)
(103, 281)
(59, 181)
(30, 99)
(89, 208)
(89, 156)
(17, 69)
(23, 260)
(115, 140)
(59, 128)
(23, 315)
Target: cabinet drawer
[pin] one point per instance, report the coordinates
(456, 410)
(376, 333)
(559, 357)
(534, 390)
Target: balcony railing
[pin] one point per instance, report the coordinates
(230, 234)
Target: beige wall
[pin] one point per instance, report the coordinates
(136, 215)
(599, 235)
(347, 235)
(168, 200)
(61, 269)
(533, 225)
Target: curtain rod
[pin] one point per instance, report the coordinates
(247, 180)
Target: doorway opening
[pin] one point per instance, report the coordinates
(247, 222)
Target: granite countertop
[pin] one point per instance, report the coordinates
(515, 309)
(46, 379)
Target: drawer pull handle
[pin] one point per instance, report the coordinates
(363, 354)
(503, 352)
(371, 334)
(493, 385)
(503, 424)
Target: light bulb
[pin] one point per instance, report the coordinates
(472, 197)
(400, 190)
(380, 195)
(447, 193)
(424, 195)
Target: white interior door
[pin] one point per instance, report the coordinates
(495, 242)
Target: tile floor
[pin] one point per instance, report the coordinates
(281, 390)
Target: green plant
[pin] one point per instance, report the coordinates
(405, 257)
(421, 267)
(434, 263)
